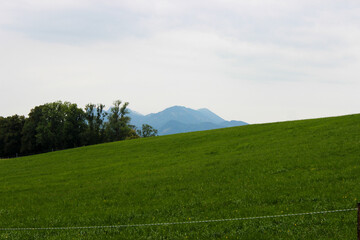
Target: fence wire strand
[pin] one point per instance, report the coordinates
(176, 223)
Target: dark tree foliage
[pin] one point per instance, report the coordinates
(117, 127)
(29, 143)
(100, 123)
(61, 125)
(95, 128)
(147, 131)
(2, 134)
(10, 135)
(74, 126)
(53, 126)
(50, 130)
(90, 133)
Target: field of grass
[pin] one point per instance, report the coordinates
(255, 170)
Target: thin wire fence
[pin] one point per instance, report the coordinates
(177, 223)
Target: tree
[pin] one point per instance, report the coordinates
(50, 129)
(29, 145)
(2, 134)
(117, 127)
(90, 133)
(58, 125)
(95, 130)
(10, 135)
(74, 125)
(53, 126)
(100, 122)
(147, 131)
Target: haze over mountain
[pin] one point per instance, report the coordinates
(179, 119)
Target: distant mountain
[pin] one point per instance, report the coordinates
(178, 119)
(136, 118)
(211, 116)
(173, 127)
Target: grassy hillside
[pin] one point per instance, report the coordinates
(255, 170)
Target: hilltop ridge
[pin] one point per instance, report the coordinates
(249, 171)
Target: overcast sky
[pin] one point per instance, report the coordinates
(255, 61)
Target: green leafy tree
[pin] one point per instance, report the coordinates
(29, 145)
(53, 126)
(90, 133)
(2, 134)
(58, 125)
(147, 131)
(74, 125)
(117, 127)
(10, 135)
(50, 134)
(100, 122)
(95, 130)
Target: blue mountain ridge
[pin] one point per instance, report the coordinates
(179, 119)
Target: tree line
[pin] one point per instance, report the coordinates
(61, 125)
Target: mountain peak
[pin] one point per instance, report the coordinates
(176, 107)
(134, 112)
(204, 110)
(177, 119)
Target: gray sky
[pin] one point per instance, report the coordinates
(255, 61)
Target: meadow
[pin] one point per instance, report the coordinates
(254, 170)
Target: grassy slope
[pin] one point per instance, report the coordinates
(244, 171)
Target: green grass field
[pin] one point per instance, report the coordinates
(255, 170)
